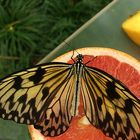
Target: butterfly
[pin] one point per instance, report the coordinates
(47, 96)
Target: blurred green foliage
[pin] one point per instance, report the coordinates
(30, 29)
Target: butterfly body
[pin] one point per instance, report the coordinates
(48, 96)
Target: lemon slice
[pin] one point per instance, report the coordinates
(132, 27)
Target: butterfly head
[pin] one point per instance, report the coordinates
(79, 58)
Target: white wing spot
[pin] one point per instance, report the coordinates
(16, 119)
(52, 133)
(10, 116)
(3, 115)
(22, 120)
(28, 122)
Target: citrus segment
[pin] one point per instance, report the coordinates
(118, 64)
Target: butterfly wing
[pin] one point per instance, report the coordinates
(57, 117)
(41, 96)
(109, 105)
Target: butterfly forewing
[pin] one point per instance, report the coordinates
(25, 95)
(109, 105)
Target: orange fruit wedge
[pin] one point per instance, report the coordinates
(132, 27)
(118, 64)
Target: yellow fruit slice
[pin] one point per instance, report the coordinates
(132, 27)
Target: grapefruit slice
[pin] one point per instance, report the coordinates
(118, 64)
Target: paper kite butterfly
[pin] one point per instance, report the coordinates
(47, 96)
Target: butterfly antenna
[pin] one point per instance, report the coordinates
(72, 56)
(91, 60)
(73, 51)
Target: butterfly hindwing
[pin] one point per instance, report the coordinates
(109, 105)
(57, 117)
